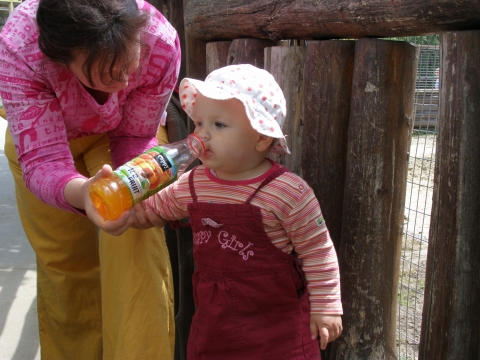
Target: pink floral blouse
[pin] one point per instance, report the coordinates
(47, 106)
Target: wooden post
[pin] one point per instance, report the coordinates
(286, 64)
(451, 320)
(238, 51)
(186, 306)
(248, 51)
(329, 65)
(195, 59)
(217, 55)
(381, 118)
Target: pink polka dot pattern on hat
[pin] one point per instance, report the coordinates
(263, 99)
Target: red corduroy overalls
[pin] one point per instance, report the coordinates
(251, 298)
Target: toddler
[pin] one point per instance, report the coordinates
(267, 282)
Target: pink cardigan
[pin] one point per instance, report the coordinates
(47, 106)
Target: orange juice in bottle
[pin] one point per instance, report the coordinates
(143, 176)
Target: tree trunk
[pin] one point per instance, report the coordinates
(286, 64)
(451, 320)
(381, 118)
(327, 19)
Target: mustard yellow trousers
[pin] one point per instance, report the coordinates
(99, 296)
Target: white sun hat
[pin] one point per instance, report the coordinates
(263, 99)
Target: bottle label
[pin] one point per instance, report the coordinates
(148, 173)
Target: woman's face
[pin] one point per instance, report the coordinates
(103, 81)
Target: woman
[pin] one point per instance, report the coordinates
(85, 84)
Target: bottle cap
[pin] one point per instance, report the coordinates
(196, 144)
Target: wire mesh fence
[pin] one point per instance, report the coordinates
(418, 201)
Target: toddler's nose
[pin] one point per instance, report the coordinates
(202, 135)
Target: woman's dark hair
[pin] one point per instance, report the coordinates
(106, 31)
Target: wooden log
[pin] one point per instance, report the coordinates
(451, 320)
(173, 252)
(313, 19)
(329, 65)
(196, 60)
(248, 51)
(379, 136)
(217, 55)
(286, 64)
(238, 51)
(186, 308)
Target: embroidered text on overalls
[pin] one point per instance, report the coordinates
(201, 237)
(235, 245)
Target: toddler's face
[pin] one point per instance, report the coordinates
(230, 139)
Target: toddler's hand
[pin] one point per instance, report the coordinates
(146, 218)
(327, 327)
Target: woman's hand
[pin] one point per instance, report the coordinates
(77, 195)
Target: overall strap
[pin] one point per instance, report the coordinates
(271, 177)
(176, 224)
(191, 186)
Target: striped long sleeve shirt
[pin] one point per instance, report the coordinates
(291, 217)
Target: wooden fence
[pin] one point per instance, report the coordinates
(350, 115)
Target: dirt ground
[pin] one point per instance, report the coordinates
(418, 204)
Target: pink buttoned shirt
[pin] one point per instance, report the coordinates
(47, 106)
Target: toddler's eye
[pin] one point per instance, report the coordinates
(219, 125)
(198, 124)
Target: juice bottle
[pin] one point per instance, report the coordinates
(144, 175)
